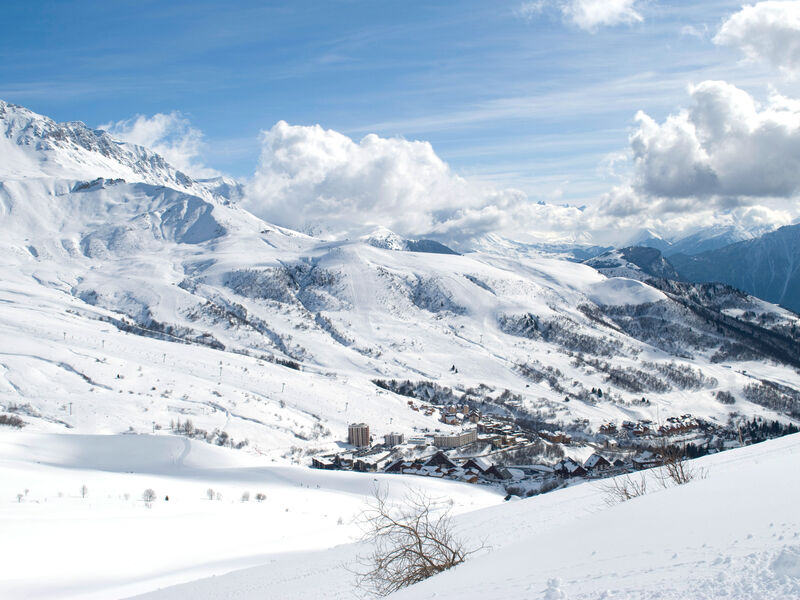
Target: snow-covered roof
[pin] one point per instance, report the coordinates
(593, 461)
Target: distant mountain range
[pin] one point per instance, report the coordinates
(708, 238)
(767, 267)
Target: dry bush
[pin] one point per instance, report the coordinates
(410, 542)
(620, 489)
(149, 496)
(675, 469)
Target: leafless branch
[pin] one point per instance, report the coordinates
(410, 542)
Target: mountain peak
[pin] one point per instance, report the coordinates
(32, 145)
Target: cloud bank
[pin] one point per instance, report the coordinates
(725, 159)
(170, 135)
(767, 31)
(723, 144)
(320, 181)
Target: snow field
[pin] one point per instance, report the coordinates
(111, 545)
(732, 533)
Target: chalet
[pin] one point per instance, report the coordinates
(451, 419)
(397, 466)
(481, 465)
(440, 459)
(646, 460)
(498, 473)
(501, 441)
(596, 463)
(569, 468)
(372, 462)
(556, 437)
(323, 462)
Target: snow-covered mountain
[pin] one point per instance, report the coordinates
(635, 261)
(34, 146)
(697, 242)
(649, 239)
(711, 238)
(767, 266)
(134, 296)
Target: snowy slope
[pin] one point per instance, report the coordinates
(110, 545)
(732, 534)
(142, 289)
(133, 298)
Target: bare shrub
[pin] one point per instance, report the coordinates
(149, 496)
(411, 542)
(12, 421)
(210, 493)
(620, 489)
(675, 469)
(246, 497)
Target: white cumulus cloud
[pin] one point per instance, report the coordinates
(725, 146)
(766, 31)
(319, 180)
(170, 135)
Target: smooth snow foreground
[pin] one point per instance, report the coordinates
(57, 544)
(733, 535)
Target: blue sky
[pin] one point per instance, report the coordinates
(508, 92)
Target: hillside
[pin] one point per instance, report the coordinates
(109, 544)
(700, 540)
(134, 302)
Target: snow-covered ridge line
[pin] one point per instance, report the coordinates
(36, 146)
